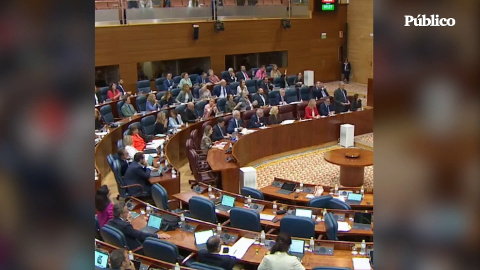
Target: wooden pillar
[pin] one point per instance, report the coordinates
(370, 92)
(129, 74)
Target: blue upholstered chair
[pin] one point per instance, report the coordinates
(268, 69)
(301, 109)
(97, 229)
(245, 219)
(203, 209)
(291, 79)
(159, 84)
(113, 236)
(148, 124)
(193, 77)
(199, 106)
(331, 227)
(107, 115)
(251, 86)
(272, 96)
(320, 202)
(277, 82)
(175, 92)
(143, 86)
(254, 71)
(202, 266)
(160, 250)
(221, 104)
(223, 75)
(119, 108)
(291, 95)
(120, 143)
(305, 93)
(301, 227)
(196, 92)
(176, 79)
(233, 87)
(181, 108)
(122, 188)
(337, 204)
(160, 197)
(160, 95)
(104, 92)
(254, 193)
(142, 103)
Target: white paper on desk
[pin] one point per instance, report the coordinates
(361, 264)
(263, 127)
(246, 131)
(101, 133)
(154, 144)
(239, 249)
(295, 102)
(286, 122)
(267, 217)
(343, 226)
(340, 198)
(309, 196)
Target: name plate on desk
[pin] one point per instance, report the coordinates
(324, 250)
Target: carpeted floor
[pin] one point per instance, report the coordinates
(310, 167)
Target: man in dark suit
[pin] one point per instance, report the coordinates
(242, 74)
(120, 88)
(168, 82)
(326, 108)
(123, 158)
(138, 173)
(261, 98)
(212, 257)
(280, 99)
(190, 113)
(231, 76)
(340, 99)
(222, 90)
(98, 96)
(257, 120)
(319, 91)
(121, 221)
(266, 85)
(219, 130)
(235, 123)
(202, 79)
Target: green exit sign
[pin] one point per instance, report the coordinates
(328, 7)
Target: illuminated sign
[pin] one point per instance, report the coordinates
(328, 7)
(328, 1)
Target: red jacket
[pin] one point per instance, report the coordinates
(308, 112)
(138, 142)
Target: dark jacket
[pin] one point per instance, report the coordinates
(324, 110)
(160, 128)
(123, 166)
(338, 98)
(134, 237)
(231, 125)
(267, 87)
(137, 174)
(254, 123)
(190, 115)
(224, 261)
(272, 120)
(317, 93)
(217, 133)
(260, 101)
(164, 102)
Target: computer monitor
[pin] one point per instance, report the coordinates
(154, 221)
(228, 200)
(354, 197)
(362, 218)
(150, 160)
(303, 213)
(201, 237)
(297, 246)
(101, 259)
(289, 186)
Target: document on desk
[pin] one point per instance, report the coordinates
(219, 145)
(154, 144)
(286, 122)
(267, 217)
(343, 226)
(361, 264)
(240, 247)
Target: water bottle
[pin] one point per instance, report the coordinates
(262, 238)
(324, 213)
(148, 210)
(177, 266)
(219, 229)
(362, 190)
(174, 173)
(130, 255)
(182, 218)
(312, 244)
(249, 200)
(210, 193)
(336, 189)
(96, 175)
(363, 248)
(301, 186)
(274, 207)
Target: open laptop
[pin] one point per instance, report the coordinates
(101, 259)
(297, 248)
(228, 202)
(201, 238)
(287, 188)
(362, 221)
(354, 198)
(303, 213)
(153, 225)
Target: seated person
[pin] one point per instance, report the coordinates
(299, 80)
(121, 221)
(185, 80)
(185, 95)
(236, 123)
(242, 74)
(212, 257)
(127, 107)
(123, 159)
(219, 130)
(230, 105)
(231, 76)
(113, 93)
(190, 113)
(138, 141)
(161, 124)
(103, 205)
(168, 82)
(319, 91)
(222, 90)
(280, 99)
(212, 78)
(152, 103)
(128, 142)
(206, 142)
(257, 120)
(204, 92)
(279, 259)
(275, 73)
(203, 79)
(245, 103)
(138, 173)
(119, 260)
(261, 73)
(175, 120)
(311, 111)
(210, 109)
(261, 98)
(274, 118)
(266, 85)
(356, 103)
(242, 87)
(120, 88)
(98, 120)
(166, 100)
(326, 108)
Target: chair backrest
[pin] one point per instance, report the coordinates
(107, 115)
(247, 115)
(254, 193)
(254, 71)
(115, 167)
(277, 82)
(160, 250)
(97, 229)
(224, 75)
(195, 138)
(193, 78)
(319, 202)
(259, 81)
(148, 124)
(302, 227)
(175, 92)
(143, 86)
(291, 79)
(337, 204)
(113, 236)
(245, 219)
(159, 84)
(251, 86)
(285, 112)
(221, 104)
(160, 95)
(269, 68)
(305, 93)
(176, 79)
(233, 86)
(199, 106)
(331, 227)
(142, 103)
(202, 266)
(301, 109)
(104, 92)
(181, 108)
(291, 95)
(227, 119)
(272, 96)
(119, 107)
(120, 143)
(203, 209)
(196, 92)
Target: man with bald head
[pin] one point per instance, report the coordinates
(257, 119)
(236, 123)
(280, 99)
(222, 90)
(190, 113)
(211, 255)
(340, 99)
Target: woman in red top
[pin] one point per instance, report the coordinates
(113, 93)
(311, 111)
(138, 142)
(212, 77)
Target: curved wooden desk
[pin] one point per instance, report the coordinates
(351, 168)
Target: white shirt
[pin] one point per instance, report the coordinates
(223, 92)
(96, 98)
(131, 150)
(186, 97)
(280, 261)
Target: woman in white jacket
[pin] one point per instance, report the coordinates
(278, 259)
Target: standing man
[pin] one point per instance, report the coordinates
(346, 69)
(340, 99)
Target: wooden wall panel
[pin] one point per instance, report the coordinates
(360, 43)
(131, 44)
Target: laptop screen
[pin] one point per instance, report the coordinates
(150, 160)
(363, 218)
(154, 221)
(303, 213)
(101, 259)
(228, 200)
(297, 246)
(288, 186)
(202, 236)
(354, 197)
